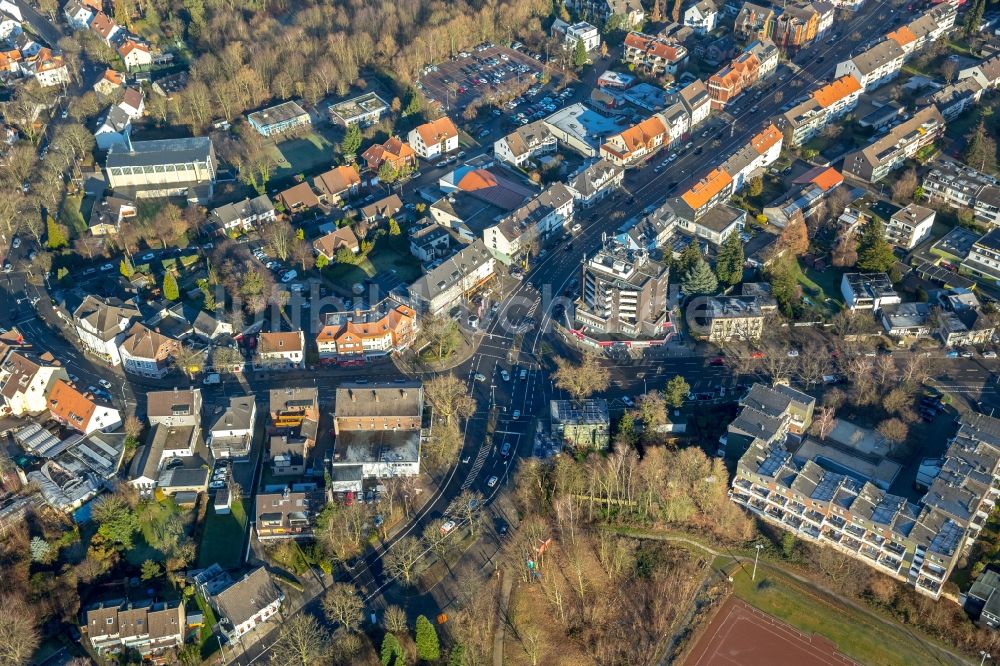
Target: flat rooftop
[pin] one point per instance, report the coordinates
(359, 106)
(585, 124)
(381, 446)
(278, 113)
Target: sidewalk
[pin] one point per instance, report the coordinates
(501, 634)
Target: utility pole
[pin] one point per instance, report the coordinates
(753, 576)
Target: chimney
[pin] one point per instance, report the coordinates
(351, 393)
(375, 395)
(402, 392)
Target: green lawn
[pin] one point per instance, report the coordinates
(820, 285)
(391, 253)
(302, 154)
(851, 630)
(152, 517)
(222, 539)
(209, 645)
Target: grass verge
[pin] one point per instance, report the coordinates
(223, 537)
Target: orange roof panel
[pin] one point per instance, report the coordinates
(836, 91)
(706, 188)
(828, 179)
(902, 36)
(770, 136)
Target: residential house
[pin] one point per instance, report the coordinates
(635, 143)
(133, 103)
(714, 188)
(115, 130)
(630, 12)
(279, 119)
(79, 412)
(285, 515)
(244, 215)
(147, 353)
(298, 198)
(983, 262)
(795, 27)
(110, 82)
(101, 325)
(583, 425)
(653, 55)
(596, 182)
(909, 226)
(867, 291)
(702, 16)
(982, 599)
(907, 320)
(135, 55)
(960, 327)
(769, 413)
(377, 430)
(394, 151)
(433, 139)
(231, 436)
(695, 98)
(730, 81)
(754, 22)
(147, 627)
(289, 453)
(209, 327)
(455, 278)
(337, 184)
(240, 605)
(623, 293)
(107, 217)
(726, 318)
(429, 242)
(953, 99)
(78, 15)
(525, 142)
(767, 57)
(25, 383)
(751, 160)
(329, 244)
(382, 210)
(176, 408)
(580, 31)
(105, 28)
(163, 168)
(799, 204)
(826, 104)
(364, 110)
(874, 67)
(890, 151)
(280, 350)
(50, 69)
(543, 215)
(960, 186)
(387, 327)
(986, 73)
(290, 408)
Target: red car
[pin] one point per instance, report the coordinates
(757, 354)
(718, 360)
(349, 498)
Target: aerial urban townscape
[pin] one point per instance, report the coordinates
(499, 332)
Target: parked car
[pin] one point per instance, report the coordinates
(290, 275)
(505, 375)
(492, 481)
(516, 415)
(105, 383)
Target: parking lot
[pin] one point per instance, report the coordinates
(483, 72)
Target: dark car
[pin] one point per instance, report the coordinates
(505, 449)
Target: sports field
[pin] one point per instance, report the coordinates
(741, 635)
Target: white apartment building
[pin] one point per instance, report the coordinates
(443, 287)
(101, 325)
(25, 384)
(281, 350)
(702, 16)
(868, 291)
(434, 139)
(874, 67)
(525, 142)
(577, 32)
(910, 226)
(825, 105)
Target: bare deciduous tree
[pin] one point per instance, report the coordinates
(343, 605)
(19, 635)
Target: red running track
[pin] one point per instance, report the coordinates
(741, 635)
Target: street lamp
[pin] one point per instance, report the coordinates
(124, 399)
(753, 576)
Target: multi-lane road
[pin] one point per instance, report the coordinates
(501, 350)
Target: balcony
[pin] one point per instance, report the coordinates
(743, 483)
(780, 500)
(833, 536)
(740, 498)
(875, 539)
(894, 548)
(814, 516)
(855, 531)
(774, 512)
(932, 571)
(836, 521)
(870, 552)
(929, 585)
(890, 563)
(797, 508)
(792, 521)
(850, 542)
(810, 530)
